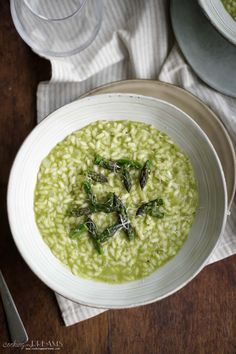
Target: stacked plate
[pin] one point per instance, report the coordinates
(198, 27)
(169, 109)
(220, 17)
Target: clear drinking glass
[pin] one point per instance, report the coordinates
(57, 27)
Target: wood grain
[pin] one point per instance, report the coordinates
(201, 318)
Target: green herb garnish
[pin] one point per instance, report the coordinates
(123, 217)
(125, 175)
(109, 232)
(151, 208)
(97, 177)
(144, 174)
(107, 164)
(92, 230)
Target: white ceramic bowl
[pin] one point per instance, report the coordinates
(204, 234)
(220, 18)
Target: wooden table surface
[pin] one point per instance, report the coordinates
(200, 318)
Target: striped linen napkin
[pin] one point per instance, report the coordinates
(135, 41)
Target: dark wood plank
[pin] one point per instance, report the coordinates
(198, 319)
(20, 72)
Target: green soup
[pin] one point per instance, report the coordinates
(59, 185)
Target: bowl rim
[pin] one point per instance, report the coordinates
(217, 21)
(58, 288)
(191, 95)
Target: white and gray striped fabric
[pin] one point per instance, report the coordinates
(135, 41)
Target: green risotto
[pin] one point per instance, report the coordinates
(152, 180)
(230, 6)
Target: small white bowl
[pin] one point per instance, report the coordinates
(220, 18)
(205, 232)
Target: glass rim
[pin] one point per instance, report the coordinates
(55, 19)
(48, 53)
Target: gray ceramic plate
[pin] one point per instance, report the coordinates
(220, 18)
(211, 56)
(191, 105)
